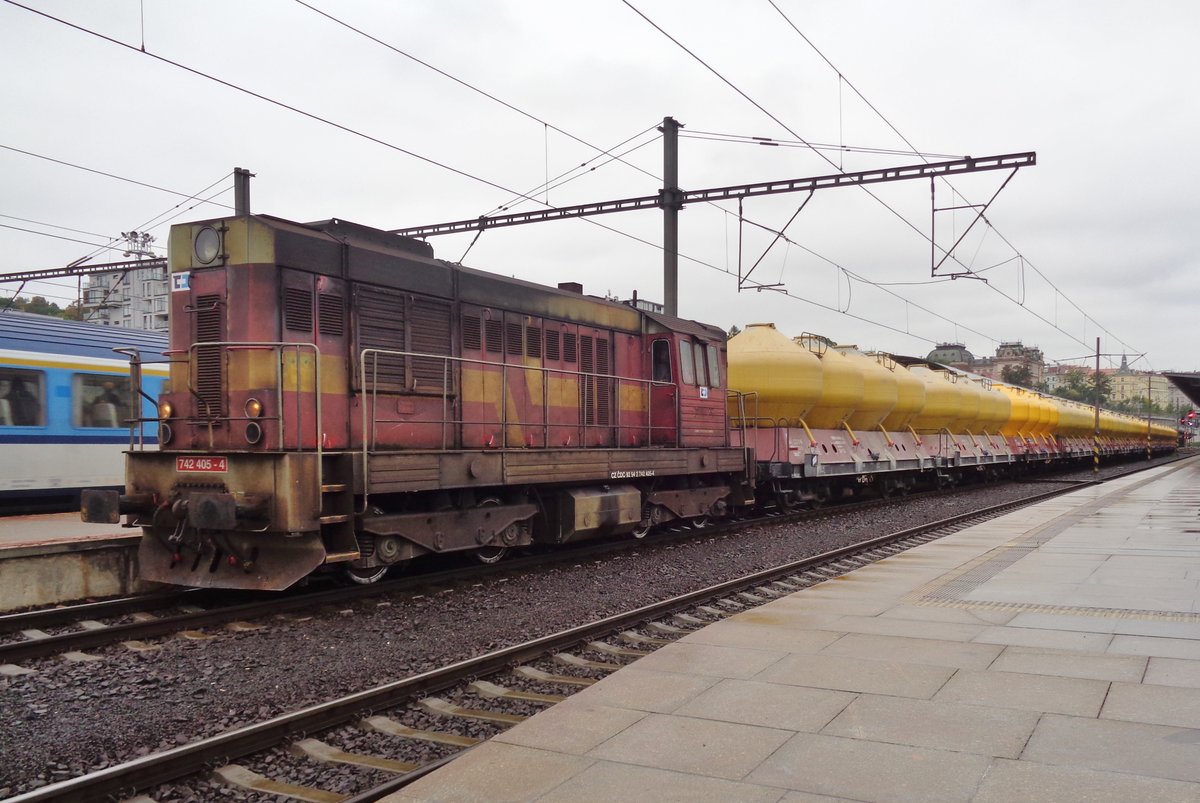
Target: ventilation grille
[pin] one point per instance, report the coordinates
(429, 330)
(472, 333)
(512, 339)
(552, 352)
(381, 326)
(587, 365)
(208, 319)
(494, 335)
(533, 341)
(569, 352)
(331, 315)
(392, 321)
(297, 309)
(209, 363)
(603, 384)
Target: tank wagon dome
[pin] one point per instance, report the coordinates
(994, 407)
(1019, 411)
(970, 399)
(1042, 413)
(786, 378)
(1074, 419)
(910, 395)
(881, 390)
(942, 405)
(1054, 411)
(842, 388)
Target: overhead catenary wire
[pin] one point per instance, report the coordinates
(1024, 261)
(827, 159)
(369, 137)
(530, 194)
(94, 170)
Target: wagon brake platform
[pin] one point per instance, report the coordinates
(1049, 654)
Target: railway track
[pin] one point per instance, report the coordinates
(131, 621)
(583, 652)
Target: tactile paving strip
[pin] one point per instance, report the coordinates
(948, 591)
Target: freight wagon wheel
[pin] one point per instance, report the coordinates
(366, 576)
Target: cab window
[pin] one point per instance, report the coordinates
(99, 400)
(22, 398)
(660, 355)
(687, 368)
(701, 376)
(714, 366)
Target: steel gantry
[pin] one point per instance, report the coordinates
(671, 199)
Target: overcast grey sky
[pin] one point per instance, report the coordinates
(1104, 92)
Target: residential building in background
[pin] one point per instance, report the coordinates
(1013, 354)
(135, 299)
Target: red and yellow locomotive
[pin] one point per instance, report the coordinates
(338, 397)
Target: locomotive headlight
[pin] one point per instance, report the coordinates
(253, 433)
(165, 409)
(208, 245)
(254, 408)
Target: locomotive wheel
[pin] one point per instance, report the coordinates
(365, 577)
(489, 554)
(641, 531)
(700, 522)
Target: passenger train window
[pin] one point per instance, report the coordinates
(22, 398)
(99, 400)
(687, 367)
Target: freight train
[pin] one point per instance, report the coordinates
(339, 399)
(65, 403)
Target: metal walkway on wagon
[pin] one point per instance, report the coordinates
(1050, 654)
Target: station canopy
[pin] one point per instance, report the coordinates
(1189, 384)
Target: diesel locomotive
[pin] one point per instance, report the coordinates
(340, 399)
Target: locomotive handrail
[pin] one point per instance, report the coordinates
(371, 390)
(279, 348)
(135, 422)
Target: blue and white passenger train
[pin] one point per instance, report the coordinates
(65, 406)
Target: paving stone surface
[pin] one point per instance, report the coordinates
(1052, 654)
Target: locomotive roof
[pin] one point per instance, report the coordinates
(22, 331)
(483, 286)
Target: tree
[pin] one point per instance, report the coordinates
(1017, 375)
(38, 305)
(733, 330)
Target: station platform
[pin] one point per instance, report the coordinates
(48, 559)
(1051, 654)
